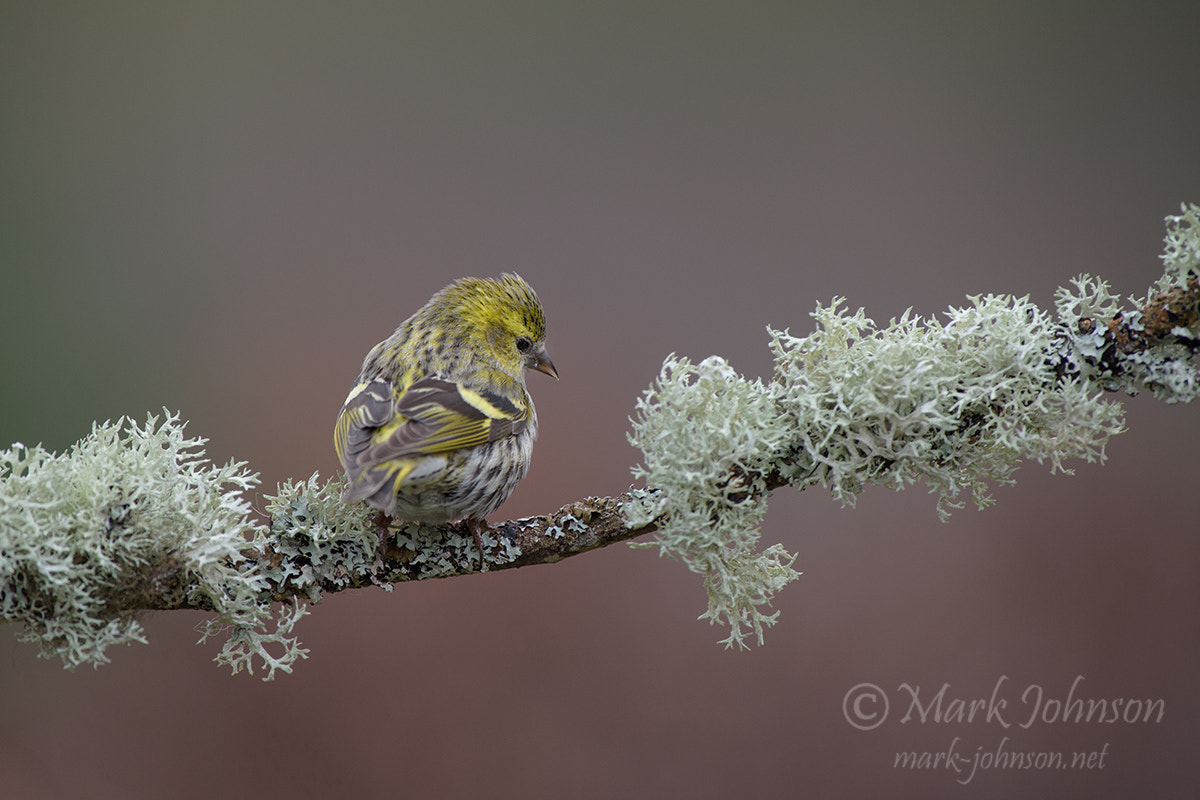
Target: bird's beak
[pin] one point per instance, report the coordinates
(541, 362)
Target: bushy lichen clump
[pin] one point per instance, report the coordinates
(956, 404)
(316, 539)
(709, 438)
(81, 530)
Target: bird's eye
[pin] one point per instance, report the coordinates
(523, 344)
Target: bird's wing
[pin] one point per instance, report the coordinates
(432, 416)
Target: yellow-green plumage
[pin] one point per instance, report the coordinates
(439, 425)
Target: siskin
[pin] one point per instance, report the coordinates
(440, 426)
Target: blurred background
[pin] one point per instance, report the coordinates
(220, 208)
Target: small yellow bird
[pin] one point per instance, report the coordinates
(439, 426)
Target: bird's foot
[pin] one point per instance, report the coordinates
(478, 527)
(383, 528)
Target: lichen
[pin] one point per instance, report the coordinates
(1181, 248)
(316, 539)
(957, 404)
(77, 529)
(248, 639)
(708, 438)
(1150, 346)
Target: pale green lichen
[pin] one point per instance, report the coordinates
(78, 529)
(1089, 299)
(316, 538)
(248, 638)
(436, 554)
(957, 405)
(708, 437)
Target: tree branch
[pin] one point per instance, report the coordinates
(420, 551)
(134, 519)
